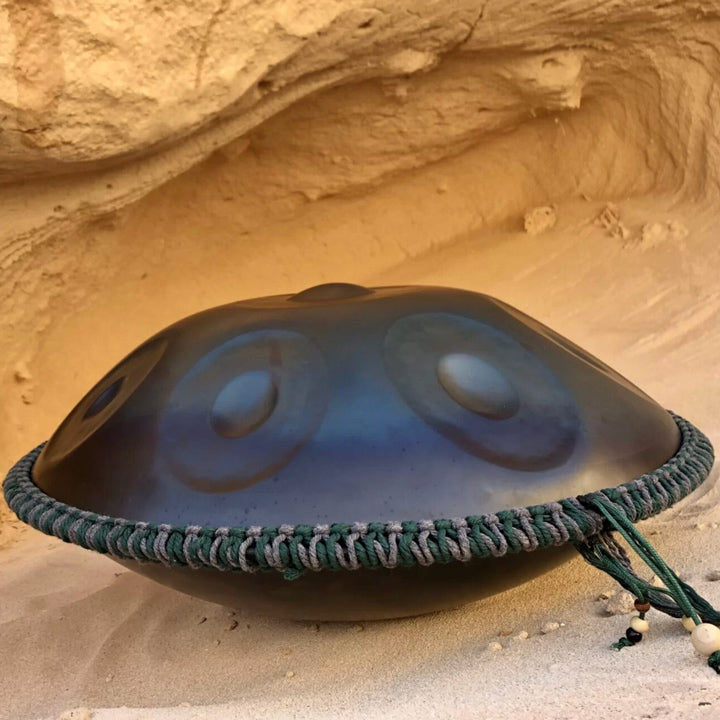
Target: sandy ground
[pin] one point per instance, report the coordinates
(84, 638)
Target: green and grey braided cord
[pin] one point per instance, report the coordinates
(293, 549)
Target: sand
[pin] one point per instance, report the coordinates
(560, 156)
(89, 639)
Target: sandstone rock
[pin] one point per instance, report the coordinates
(620, 604)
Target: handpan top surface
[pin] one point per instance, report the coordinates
(342, 404)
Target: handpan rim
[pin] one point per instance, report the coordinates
(294, 549)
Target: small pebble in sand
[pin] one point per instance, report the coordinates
(494, 647)
(653, 234)
(314, 628)
(522, 635)
(713, 575)
(232, 625)
(202, 620)
(358, 628)
(109, 678)
(539, 219)
(609, 219)
(217, 642)
(620, 604)
(81, 713)
(289, 674)
(606, 595)
(549, 627)
(21, 373)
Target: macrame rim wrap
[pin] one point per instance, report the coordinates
(295, 549)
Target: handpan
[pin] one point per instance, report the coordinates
(356, 453)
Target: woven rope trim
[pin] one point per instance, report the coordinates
(294, 549)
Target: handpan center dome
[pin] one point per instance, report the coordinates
(329, 292)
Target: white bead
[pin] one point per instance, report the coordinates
(706, 639)
(640, 625)
(688, 623)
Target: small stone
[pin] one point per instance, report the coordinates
(232, 626)
(620, 604)
(217, 642)
(109, 678)
(539, 219)
(657, 582)
(314, 628)
(549, 627)
(522, 635)
(606, 595)
(505, 633)
(609, 219)
(81, 713)
(713, 575)
(494, 647)
(21, 373)
(358, 628)
(289, 674)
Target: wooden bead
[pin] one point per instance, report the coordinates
(639, 624)
(642, 606)
(706, 639)
(688, 623)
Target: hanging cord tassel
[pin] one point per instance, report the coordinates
(677, 598)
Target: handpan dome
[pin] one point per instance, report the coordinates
(269, 433)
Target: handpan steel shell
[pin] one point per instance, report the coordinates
(348, 404)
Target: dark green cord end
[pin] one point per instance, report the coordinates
(714, 662)
(623, 642)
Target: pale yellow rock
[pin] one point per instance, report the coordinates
(540, 219)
